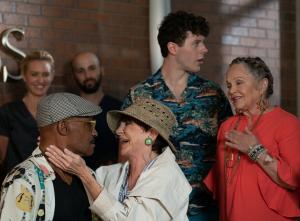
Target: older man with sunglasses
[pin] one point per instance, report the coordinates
(37, 190)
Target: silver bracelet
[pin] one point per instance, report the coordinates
(256, 151)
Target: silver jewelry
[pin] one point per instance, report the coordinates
(256, 151)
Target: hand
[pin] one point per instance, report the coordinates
(240, 140)
(66, 160)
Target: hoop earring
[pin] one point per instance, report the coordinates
(148, 141)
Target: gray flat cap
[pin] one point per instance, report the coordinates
(60, 106)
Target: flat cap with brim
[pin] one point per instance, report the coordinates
(151, 112)
(60, 106)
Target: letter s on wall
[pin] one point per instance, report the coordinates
(18, 34)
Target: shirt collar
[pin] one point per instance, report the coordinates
(39, 159)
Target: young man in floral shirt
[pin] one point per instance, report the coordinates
(199, 105)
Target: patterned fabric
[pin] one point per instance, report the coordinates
(160, 193)
(60, 106)
(26, 192)
(199, 113)
(124, 192)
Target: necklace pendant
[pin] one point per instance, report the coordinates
(229, 163)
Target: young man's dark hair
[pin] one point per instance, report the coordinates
(175, 26)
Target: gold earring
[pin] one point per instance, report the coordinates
(262, 103)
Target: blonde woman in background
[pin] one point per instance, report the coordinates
(18, 128)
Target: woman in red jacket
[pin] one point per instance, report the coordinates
(257, 173)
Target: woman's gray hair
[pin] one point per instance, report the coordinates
(258, 68)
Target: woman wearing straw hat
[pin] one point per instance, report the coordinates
(150, 185)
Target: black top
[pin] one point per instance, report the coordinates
(106, 149)
(17, 123)
(71, 201)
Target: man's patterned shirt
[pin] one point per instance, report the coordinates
(201, 110)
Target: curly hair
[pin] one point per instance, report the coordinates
(258, 68)
(175, 26)
(37, 56)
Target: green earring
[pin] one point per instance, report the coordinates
(148, 141)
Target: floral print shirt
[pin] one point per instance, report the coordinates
(200, 111)
(26, 193)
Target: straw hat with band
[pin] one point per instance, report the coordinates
(151, 112)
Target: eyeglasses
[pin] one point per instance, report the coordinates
(92, 123)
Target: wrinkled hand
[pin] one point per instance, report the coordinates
(240, 140)
(66, 160)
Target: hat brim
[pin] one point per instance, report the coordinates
(113, 120)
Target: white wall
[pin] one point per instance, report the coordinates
(157, 11)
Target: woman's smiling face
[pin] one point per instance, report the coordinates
(38, 77)
(131, 138)
(244, 90)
